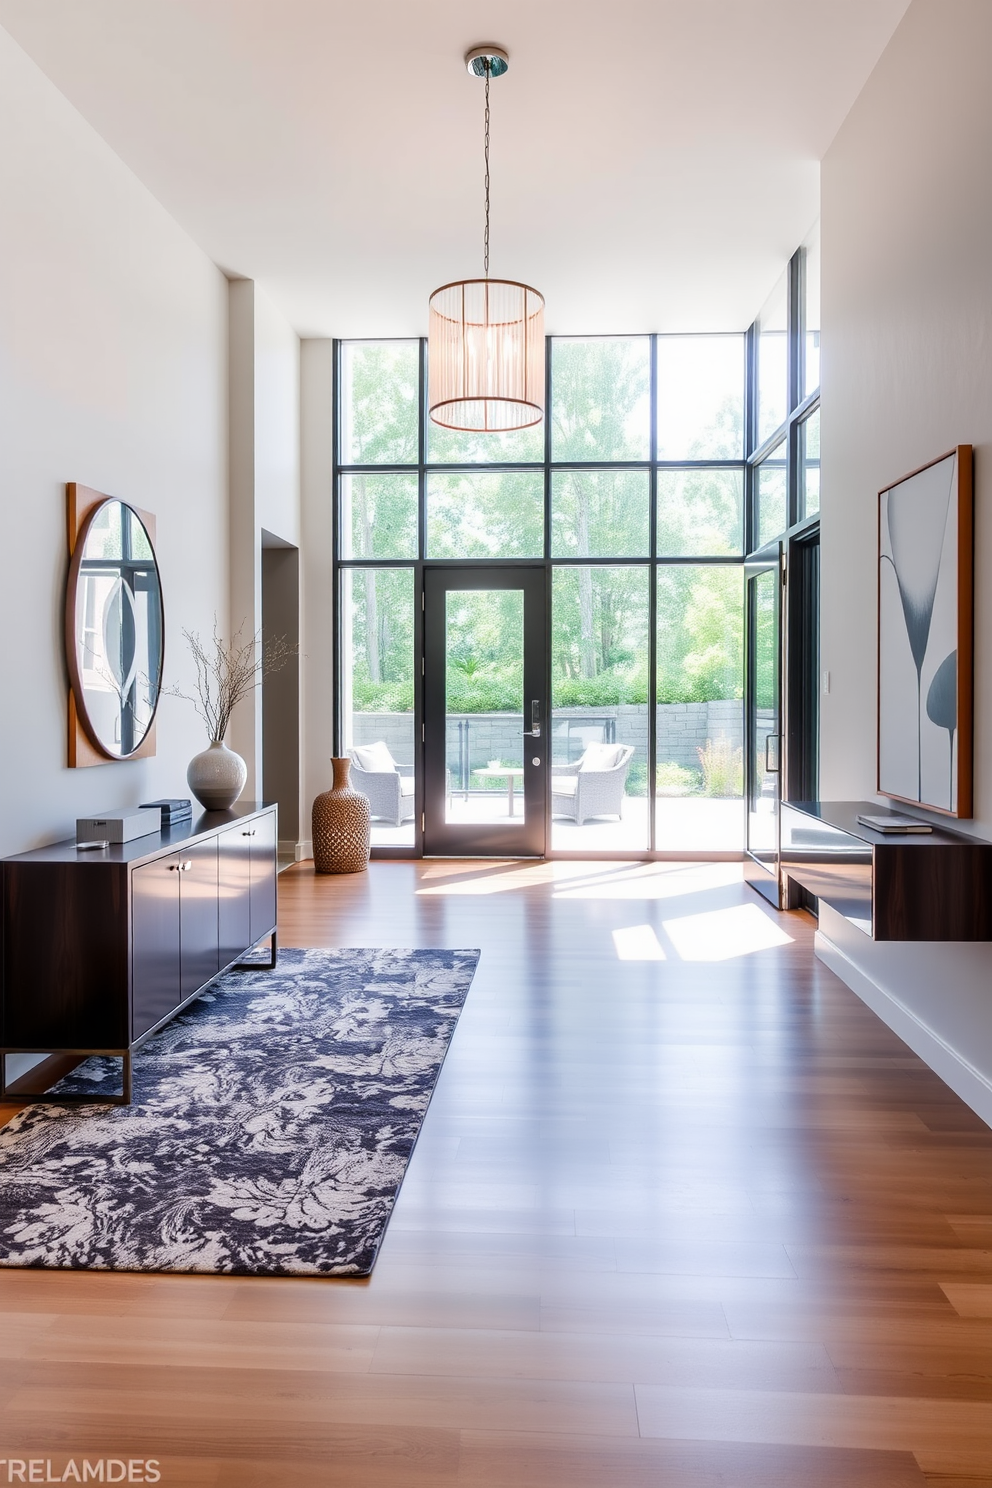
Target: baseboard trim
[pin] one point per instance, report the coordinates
(974, 1088)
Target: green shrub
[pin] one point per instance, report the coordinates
(608, 690)
(723, 768)
(637, 779)
(672, 779)
(382, 697)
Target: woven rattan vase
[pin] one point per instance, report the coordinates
(342, 820)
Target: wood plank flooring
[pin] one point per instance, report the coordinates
(683, 1213)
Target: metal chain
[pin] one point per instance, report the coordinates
(486, 241)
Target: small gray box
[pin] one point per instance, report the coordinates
(118, 826)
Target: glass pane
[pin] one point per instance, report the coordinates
(458, 447)
(377, 696)
(700, 397)
(700, 512)
(600, 396)
(699, 775)
(809, 464)
(811, 317)
(765, 740)
(484, 705)
(770, 496)
(599, 513)
(496, 514)
(773, 345)
(380, 402)
(379, 516)
(599, 725)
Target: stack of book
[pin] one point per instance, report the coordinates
(893, 821)
(174, 811)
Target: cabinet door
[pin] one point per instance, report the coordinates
(234, 893)
(155, 943)
(199, 932)
(263, 875)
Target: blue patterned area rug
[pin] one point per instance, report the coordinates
(270, 1128)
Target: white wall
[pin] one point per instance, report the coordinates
(317, 429)
(113, 373)
(907, 374)
(264, 369)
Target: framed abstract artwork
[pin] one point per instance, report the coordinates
(925, 635)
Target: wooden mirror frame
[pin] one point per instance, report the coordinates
(84, 748)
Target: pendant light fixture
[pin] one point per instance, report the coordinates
(486, 340)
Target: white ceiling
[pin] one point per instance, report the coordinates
(654, 162)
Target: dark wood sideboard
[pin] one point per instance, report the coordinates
(102, 947)
(929, 886)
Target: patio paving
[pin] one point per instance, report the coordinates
(684, 824)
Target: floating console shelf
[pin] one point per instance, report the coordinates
(929, 886)
(101, 948)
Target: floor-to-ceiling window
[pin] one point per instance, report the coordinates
(782, 566)
(660, 465)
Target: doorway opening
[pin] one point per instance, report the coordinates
(485, 773)
(281, 690)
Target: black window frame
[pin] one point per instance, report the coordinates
(746, 465)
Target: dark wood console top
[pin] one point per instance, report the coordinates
(934, 886)
(102, 947)
(843, 815)
(203, 824)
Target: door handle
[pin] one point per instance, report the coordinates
(534, 732)
(772, 762)
(248, 834)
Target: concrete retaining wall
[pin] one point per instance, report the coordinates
(683, 729)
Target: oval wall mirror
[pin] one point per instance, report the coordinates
(115, 641)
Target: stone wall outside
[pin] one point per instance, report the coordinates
(683, 729)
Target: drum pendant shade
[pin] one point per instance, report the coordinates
(485, 344)
(486, 355)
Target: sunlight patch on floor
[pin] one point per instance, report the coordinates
(655, 881)
(638, 943)
(494, 877)
(722, 934)
(578, 879)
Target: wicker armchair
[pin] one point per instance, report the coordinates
(591, 786)
(390, 788)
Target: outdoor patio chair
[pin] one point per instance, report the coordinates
(593, 785)
(389, 786)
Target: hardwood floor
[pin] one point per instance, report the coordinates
(683, 1213)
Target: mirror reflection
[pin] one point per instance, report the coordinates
(117, 629)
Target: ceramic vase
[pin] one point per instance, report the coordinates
(217, 776)
(342, 820)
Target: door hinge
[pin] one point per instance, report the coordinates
(423, 667)
(423, 601)
(423, 821)
(423, 733)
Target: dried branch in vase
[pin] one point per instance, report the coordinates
(227, 671)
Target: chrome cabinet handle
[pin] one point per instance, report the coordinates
(248, 834)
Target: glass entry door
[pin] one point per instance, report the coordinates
(764, 724)
(485, 712)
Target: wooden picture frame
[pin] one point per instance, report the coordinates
(925, 698)
(83, 749)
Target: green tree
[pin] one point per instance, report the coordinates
(599, 411)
